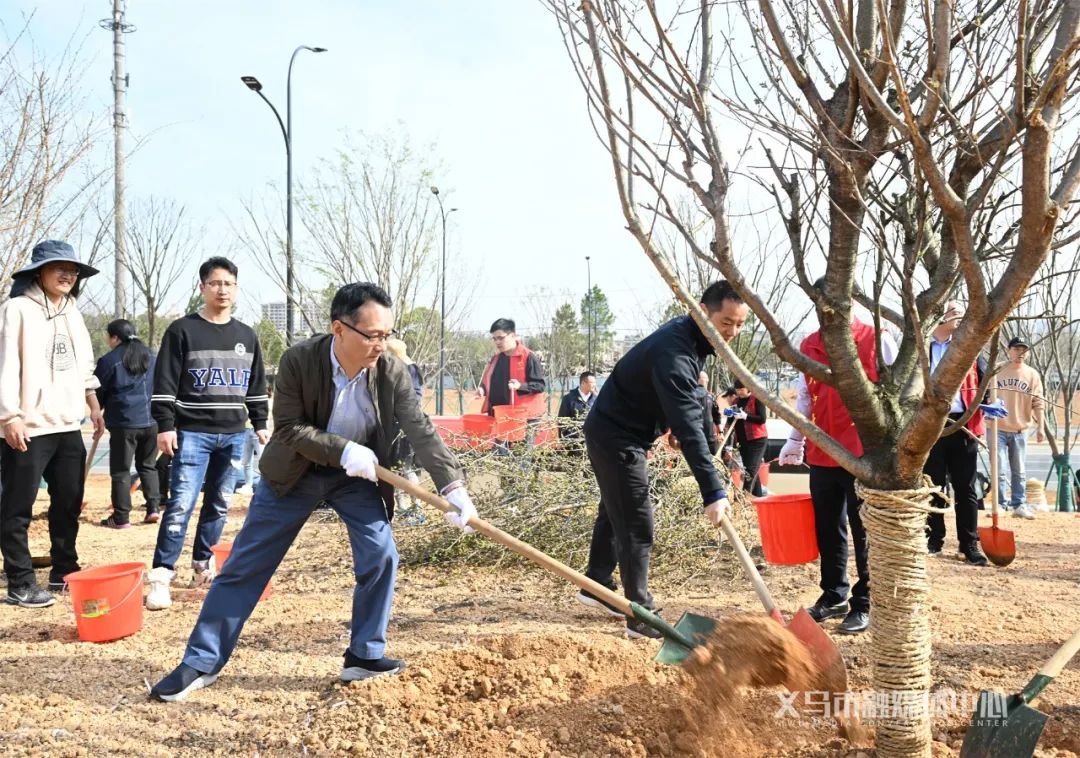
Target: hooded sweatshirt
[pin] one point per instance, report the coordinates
(46, 363)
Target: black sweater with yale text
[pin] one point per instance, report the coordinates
(209, 378)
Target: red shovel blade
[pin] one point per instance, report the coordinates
(824, 651)
(998, 544)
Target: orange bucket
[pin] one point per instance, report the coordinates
(477, 428)
(221, 552)
(763, 474)
(511, 422)
(107, 601)
(787, 529)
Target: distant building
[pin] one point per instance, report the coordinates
(275, 313)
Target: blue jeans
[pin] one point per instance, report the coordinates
(203, 462)
(271, 526)
(249, 473)
(1012, 452)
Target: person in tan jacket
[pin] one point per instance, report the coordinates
(46, 381)
(339, 401)
(1020, 387)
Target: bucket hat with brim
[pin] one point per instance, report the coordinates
(54, 251)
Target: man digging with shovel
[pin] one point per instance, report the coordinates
(653, 387)
(339, 402)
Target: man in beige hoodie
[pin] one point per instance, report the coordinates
(46, 381)
(1020, 387)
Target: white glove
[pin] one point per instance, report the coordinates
(791, 454)
(360, 461)
(459, 498)
(740, 415)
(716, 511)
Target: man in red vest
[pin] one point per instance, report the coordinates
(832, 488)
(954, 458)
(514, 376)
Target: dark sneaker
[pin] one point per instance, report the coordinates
(639, 630)
(591, 600)
(180, 683)
(854, 623)
(973, 554)
(30, 596)
(357, 669)
(112, 523)
(57, 586)
(820, 612)
(933, 549)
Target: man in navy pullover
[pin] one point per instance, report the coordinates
(653, 387)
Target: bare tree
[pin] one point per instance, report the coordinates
(44, 136)
(161, 246)
(370, 215)
(905, 147)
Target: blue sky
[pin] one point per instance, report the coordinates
(487, 82)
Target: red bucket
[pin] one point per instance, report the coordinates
(221, 552)
(107, 600)
(787, 529)
(477, 428)
(511, 422)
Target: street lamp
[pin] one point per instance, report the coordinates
(588, 310)
(442, 305)
(255, 86)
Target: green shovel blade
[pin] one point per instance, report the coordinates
(691, 625)
(992, 734)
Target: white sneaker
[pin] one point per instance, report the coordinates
(203, 572)
(158, 597)
(1024, 511)
(247, 489)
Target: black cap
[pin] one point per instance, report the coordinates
(1019, 342)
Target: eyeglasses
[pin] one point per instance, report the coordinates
(220, 284)
(369, 337)
(65, 270)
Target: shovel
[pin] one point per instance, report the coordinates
(998, 544)
(823, 650)
(675, 636)
(1009, 726)
(89, 463)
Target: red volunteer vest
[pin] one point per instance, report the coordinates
(976, 425)
(535, 402)
(827, 409)
(751, 430)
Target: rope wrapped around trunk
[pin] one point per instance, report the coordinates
(895, 522)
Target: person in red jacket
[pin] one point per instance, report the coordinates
(832, 488)
(752, 436)
(954, 458)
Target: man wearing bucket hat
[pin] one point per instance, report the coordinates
(46, 381)
(339, 403)
(832, 488)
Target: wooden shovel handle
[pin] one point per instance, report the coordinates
(1064, 654)
(90, 460)
(523, 549)
(751, 569)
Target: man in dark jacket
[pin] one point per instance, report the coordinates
(575, 404)
(652, 388)
(339, 402)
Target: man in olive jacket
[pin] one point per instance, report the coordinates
(339, 402)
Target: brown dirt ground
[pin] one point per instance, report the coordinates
(501, 663)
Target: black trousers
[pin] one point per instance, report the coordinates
(60, 458)
(164, 473)
(623, 532)
(140, 446)
(752, 452)
(832, 490)
(954, 459)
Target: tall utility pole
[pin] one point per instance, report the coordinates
(588, 311)
(119, 27)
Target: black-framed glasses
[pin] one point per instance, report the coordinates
(370, 337)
